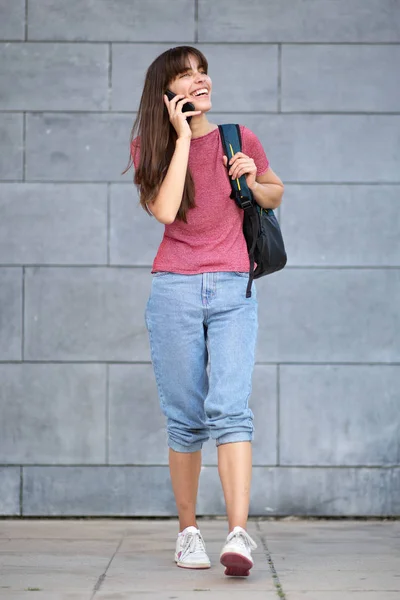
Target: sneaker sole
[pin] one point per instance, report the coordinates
(194, 566)
(236, 565)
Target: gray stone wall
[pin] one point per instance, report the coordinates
(81, 432)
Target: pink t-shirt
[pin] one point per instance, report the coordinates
(212, 239)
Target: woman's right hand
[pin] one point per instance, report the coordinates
(177, 117)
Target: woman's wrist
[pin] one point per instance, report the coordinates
(253, 186)
(184, 138)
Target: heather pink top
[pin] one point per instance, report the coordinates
(212, 239)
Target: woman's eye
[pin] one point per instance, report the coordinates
(183, 75)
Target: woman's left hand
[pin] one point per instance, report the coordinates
(241, 164)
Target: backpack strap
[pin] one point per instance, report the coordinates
(241, 194)
(232, 143)
(254, 222)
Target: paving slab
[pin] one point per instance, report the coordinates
(75, 529)
(121, 559)
(123, 575)
(40, 595)
(200, 594)
(343, 595)
(334, 556)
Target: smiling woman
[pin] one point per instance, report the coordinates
(198, 313)
(187, 83)
(176, 70)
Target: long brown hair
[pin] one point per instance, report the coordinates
(152, 132)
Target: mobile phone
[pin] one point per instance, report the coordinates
(188, 106)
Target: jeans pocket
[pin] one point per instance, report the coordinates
(241, 273)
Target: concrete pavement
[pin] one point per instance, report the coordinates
(104, 559)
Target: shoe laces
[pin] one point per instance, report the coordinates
(242, 538)
(193, 542)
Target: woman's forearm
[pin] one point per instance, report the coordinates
(168, 200)
(268, 195)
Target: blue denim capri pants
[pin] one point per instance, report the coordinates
(202, 332)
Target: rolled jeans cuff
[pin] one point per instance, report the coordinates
(186, 449)
(236, 436)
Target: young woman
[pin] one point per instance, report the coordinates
(198, 315)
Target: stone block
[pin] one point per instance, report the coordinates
(329, 315)
(134, 235)
(11, 313)
(53, 76)
(88, 314)
(263, 403)
(137, 427)
(299, 21)
(96, 491)
(135, 60)
(327, 148)
(256, 90)
(348, 78)
(310, 492)
(52, 413)
(53, 223)
(339, 415)
(77, 147)
(9, 491)
(301, 148)
(11, 146)
(12, 19)
(104, 20)
(341, 225)
(261, 78)
(330, 492)
(138, 491)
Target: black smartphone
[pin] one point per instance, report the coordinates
(188, 106)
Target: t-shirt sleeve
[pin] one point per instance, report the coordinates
(135, 152)
(252, 146)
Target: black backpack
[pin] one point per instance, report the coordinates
(260, 226)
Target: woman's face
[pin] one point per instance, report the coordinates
(195, 84)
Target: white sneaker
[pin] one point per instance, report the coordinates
(190, 550)
(236, 554)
